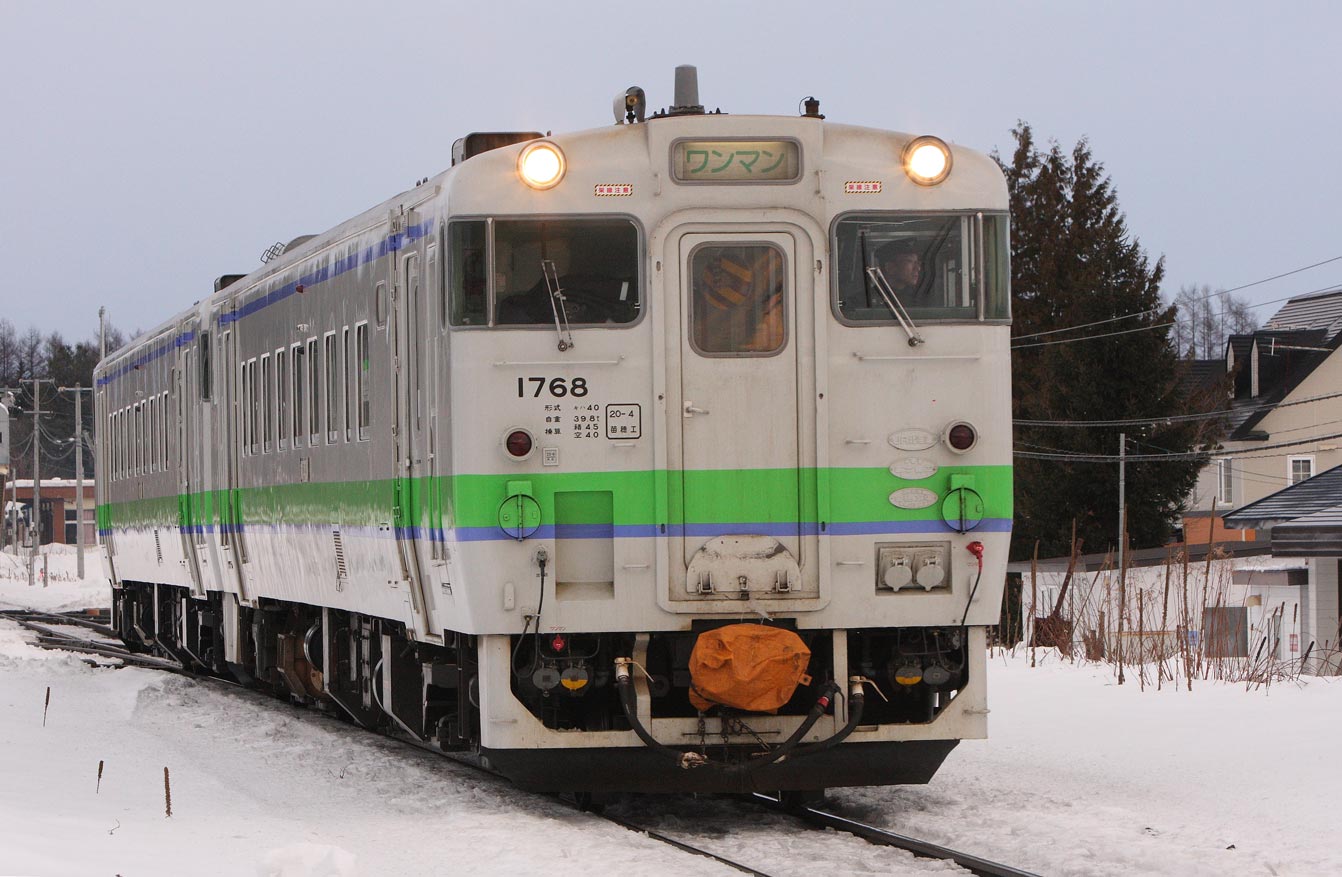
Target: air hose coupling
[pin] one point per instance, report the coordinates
(856, 690)
(623, 673)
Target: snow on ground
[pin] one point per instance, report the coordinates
(60, 589)
(1081, 777)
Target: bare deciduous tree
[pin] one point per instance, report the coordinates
(1207, 319)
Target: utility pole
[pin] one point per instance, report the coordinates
(79, 469)
(36, 529)
(102, 334)
(1122, 496)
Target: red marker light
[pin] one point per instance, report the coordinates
(961, 437)
(518, 443)
(558, 643)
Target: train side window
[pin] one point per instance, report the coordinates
(313, 394)
(206, 373)
(361, 379)
(116, 445)
(738, 300)
(298, 427)
(345, 383)
(468, 303)
(266, 400)
(139, 437)
(282, 399)
(380, 304)
(331, 371)
(163, 445)
(593, 261)
(254, 404)
(151, 435)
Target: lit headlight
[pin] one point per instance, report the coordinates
(927, 160)
(541, 165)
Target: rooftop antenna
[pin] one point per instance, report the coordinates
(687, 92)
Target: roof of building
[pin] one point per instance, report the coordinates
(1202, 375)
(1298, 353)
(1321, 310)
(1314, 495)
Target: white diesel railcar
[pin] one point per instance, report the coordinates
(484, 463)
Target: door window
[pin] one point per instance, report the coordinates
(738, 301)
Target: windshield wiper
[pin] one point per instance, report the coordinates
(551, 274)
(895, 305)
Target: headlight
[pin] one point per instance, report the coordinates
(927, 160)
(541, 165)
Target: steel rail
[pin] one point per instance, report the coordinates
(882, 837)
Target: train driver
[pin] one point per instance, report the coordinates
(902, 265)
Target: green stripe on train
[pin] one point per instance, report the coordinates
(637, 497)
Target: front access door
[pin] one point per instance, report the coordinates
(741, 467)
(408, 333)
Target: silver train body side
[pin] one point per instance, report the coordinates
(306, 479)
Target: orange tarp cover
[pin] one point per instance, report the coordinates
(747, 666)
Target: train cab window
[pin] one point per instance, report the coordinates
(594, 262)
(469, 296)
(738, 300)
(936, 267)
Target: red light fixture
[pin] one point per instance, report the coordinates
(961, 437)
(518, 444)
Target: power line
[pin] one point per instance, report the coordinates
(1151, 458)
(1178, 418)
(1093, 337)
(1204, 298)
(1330, 288)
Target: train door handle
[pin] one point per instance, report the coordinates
(690, 410)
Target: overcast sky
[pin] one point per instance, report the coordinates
(150, 146)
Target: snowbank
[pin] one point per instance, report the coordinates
(62, 589)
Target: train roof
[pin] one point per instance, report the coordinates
(848, 148)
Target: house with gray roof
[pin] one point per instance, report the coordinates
(1305, 521)
(1284, 416)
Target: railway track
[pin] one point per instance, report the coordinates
(105, 646)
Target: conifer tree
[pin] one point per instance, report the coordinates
(1074, 263)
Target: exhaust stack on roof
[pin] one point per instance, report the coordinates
(687, 92)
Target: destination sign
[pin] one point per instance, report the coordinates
(736, 161)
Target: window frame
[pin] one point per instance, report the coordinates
(975, 247)
(1225, 483)
(789, 296)
(491, 303)
(362, 372)
(1290, 468)
(330, 385)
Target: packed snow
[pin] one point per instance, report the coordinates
(1081, 776)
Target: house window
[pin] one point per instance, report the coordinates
(1224, 483)
(1299, 469)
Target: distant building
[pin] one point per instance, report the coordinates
(60, 513)
(1304, 522)
(1285, 414)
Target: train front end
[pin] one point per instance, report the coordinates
(730, 449)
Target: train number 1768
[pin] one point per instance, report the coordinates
(557, 387)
